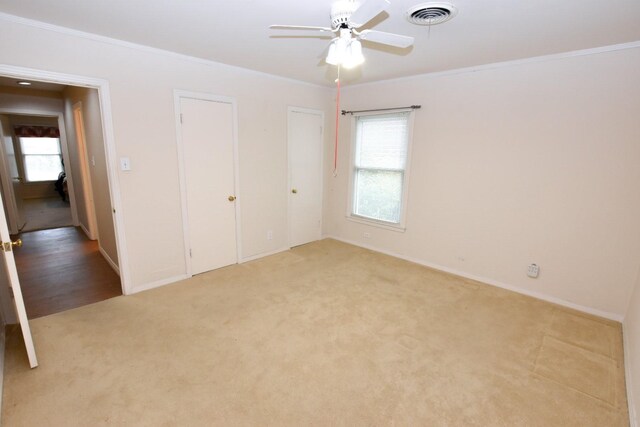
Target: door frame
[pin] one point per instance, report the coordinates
(291, 110)
(7, 186)
(104, 96)
(203, 96)
(85, 175)
(64, 148)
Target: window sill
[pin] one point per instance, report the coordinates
(38, 182)
(379, 224)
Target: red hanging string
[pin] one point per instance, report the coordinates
(335, 150)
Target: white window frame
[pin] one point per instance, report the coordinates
(401, 226)
(23, 160)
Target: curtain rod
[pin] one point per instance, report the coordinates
(413, 107)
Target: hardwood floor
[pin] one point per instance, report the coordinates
(60, 269)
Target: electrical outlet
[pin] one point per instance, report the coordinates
(269, 235)
(367, 235)
(533, 270)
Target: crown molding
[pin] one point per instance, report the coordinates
(142, 48)
(511, 63)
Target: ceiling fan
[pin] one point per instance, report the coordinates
(346, 17)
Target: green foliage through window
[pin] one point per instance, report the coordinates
(379, 169)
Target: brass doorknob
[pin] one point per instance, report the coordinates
(8, 246)
(232, 198)
(294, 191)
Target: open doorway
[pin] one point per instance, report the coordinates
(56, 187)
(33, 173)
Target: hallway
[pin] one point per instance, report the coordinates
(44, 213)
(61, 269)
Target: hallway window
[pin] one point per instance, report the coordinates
(42, 158)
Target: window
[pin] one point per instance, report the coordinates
(41, 157)
(379, 167)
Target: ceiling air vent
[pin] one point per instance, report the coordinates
(431, 13)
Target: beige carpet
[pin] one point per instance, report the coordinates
(325, 334)
(50, 212)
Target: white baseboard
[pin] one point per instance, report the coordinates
(158, 283)
(605, 314)
(262, 255)
(169, 280)
(86, 232)
(109, 260)
(626, 345)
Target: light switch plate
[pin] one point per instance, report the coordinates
(125, 164)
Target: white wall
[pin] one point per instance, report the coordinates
(97, 168)
(141, 89)
(38, 190)
(538, 162)
(28, 100)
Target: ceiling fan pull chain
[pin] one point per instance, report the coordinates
(335, 149)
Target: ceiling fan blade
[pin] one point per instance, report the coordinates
(386, 38)
(300, 27)
(367, 11)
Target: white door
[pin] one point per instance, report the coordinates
(12, 179)
(12, 278)
(207, 132)
(305, 175)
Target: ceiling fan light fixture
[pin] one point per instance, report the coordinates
(347, 17)
(354, 55)
(332, 56)
(341, 11)
(341, 48)
(338, 52)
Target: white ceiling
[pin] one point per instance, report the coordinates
(236, 31)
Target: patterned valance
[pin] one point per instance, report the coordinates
(37, 132)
